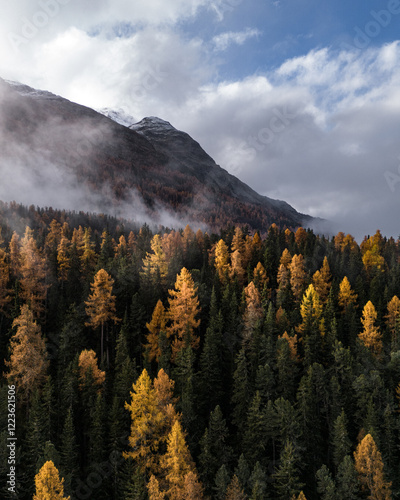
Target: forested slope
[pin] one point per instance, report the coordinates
(191, 365)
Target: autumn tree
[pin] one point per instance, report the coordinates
(155, 327)
(392, 320)
(33, 273)
(369, 466)
(63, 259)
(182, 313)
(297, 276)
(28, 364)
(346, 296)
(180, 472)
(222, 260)
(100, 306)
(322, 281)
(371, 335)
(253, 312)
(235, 490)
(49, 486)
(89, 370)
(155, 263)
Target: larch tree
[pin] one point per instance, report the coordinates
(89, 370)
(346, 296)
(392, 319)
(297, 276)
(234, 490)
(156, 263)
(322, 281)
(63, 259)
(371, 335)
(100, 306)
(180, 472)
(155, 327)
(48, 484)
(15, 255)
(222, 260)
(236, 269)
(33, 271)
(369, 466)
(28, 363)
(183, 310)
(253, 312)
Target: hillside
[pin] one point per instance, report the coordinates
(148, 171)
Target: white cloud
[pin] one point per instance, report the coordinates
(224, 40)
(320, 131)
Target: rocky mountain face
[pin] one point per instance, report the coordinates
(71, 154)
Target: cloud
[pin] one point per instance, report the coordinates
(319, 131)
(224, 40)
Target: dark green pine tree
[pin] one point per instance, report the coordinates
(211, 375)
(346, 480)
(131, 482)
(340, 440)
(259, 484)
(49, 453)
(255, 435)
(222, 479)
(287, 423)
(243, 472)
(287, 370)
(97, 450)
(72, 339)
(135, 334)
(69, 454)
(215, 450)
(241, 390)
(326, 486)
(265, 382)
(287, 476)
(183, 375)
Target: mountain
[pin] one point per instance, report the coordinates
(58, 152)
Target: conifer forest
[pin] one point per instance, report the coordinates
(150, 363)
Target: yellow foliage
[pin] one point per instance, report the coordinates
(392, 316)
(88, 367)
(346, 294)
(321, 281)
(49, 486)
(292, 341)
(286, 258)
(100, 306)
(234, 490)
(297, 275)
(156, 263)
(156, 326)
(369, 466)
(237, 267)
(63, 259)
(311, 311)
(28, 364)
(253, 312)
(371, 336)
(182, 312)
(222, 259)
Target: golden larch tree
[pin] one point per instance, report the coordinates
(33, 272)
(183, 310)
(346, 295)
(15, 255)
(238, 241)
(48, 484)
(152, 417)
(63, 259)
(28, 363)
(155, 327)
(156, 263)
(153, 489)
(234, 490)
(179, 469)
(311, 312)
(253, 312)
(222, 260)
(88, 367)
(392, 317)
(236, 268)
(260, 277)
(286, 258)
(371, 335)
(100, 306)
(322, 281)
(297, 276)
(369, 466)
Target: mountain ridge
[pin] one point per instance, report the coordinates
(150, 167)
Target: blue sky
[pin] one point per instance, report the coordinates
(298, 98)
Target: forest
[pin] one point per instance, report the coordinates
(151, 363)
